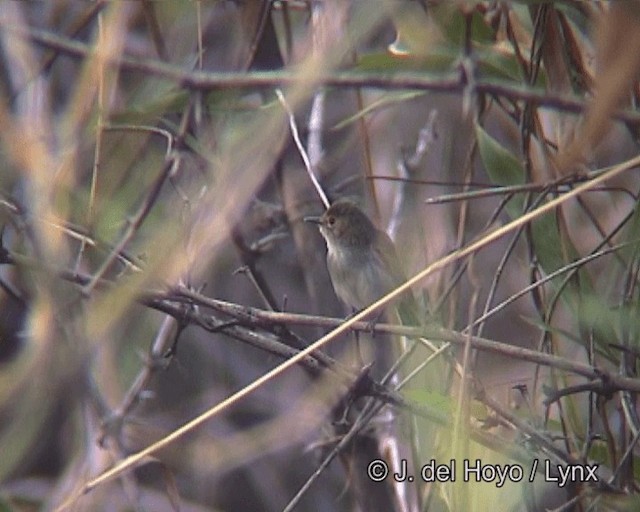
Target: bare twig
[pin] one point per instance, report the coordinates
(172, 161)
(585, 370)
(573, 265)
(311, 171)
(407, 166)
(266, 318)
(133, 223)
(450, 84)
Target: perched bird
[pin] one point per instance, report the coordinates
(362, 260)
(364, 266)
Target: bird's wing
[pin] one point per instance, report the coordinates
(408, 309)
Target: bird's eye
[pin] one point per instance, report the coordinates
(331, 220)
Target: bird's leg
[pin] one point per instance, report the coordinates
(358, 351)
(371, 325)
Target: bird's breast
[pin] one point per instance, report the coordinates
(358, 278)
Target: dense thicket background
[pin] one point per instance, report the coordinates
(147, 164)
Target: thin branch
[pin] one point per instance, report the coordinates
(171, 163)
(452, 83)
(113, 421)
(407, 165)
(133, 223)
(135, 459)
(536, 284)
(73, 231)
(594, 387)
(269, 320)
(264, 319)
(305, 158)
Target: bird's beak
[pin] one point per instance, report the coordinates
(313, 220)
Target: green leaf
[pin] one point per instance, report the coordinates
(502, 167)
(505, 169)
(438, 60)
(385, 101)
(496, 63)
(451, 21)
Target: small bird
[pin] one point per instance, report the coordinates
(362, 260)
(364, 266)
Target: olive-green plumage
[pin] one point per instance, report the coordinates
(362, 260)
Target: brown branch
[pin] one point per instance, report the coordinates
(74, 231)
(248, 318)
(270, 320)
(133, 224)
(536, 437)
(452, 83)
(171, 163)
(601, 387)
(267, 319)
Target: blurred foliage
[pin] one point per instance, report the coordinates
(142, 152)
